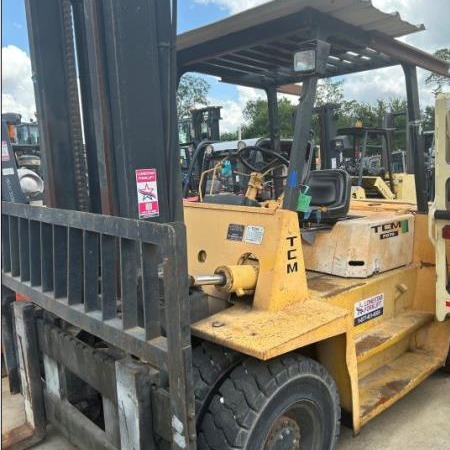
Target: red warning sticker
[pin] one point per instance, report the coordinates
(147, 193)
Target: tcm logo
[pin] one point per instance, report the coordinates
(388, 230)
(291, 255)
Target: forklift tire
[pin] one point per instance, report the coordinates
(290, 402)
(446, 366)
(211, 364)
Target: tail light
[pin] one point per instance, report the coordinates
(446, 232)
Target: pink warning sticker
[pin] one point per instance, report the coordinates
(147, 193)
(5, 153)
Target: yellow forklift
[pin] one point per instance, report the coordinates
(232, 323)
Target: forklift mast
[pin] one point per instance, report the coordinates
(124, 58)
(108, 255)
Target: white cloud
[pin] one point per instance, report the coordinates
(233, 6)
(17, 86)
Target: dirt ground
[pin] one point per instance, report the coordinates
(419, 421)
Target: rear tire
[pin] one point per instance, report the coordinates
(288, 403)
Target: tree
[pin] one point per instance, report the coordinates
(438, 82)
(329, 91)
(257, 115)
(229, 136)
(192, 91)
(428, 118)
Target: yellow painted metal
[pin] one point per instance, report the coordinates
(223, 235)
(266, 334)
(254, 185)
(358, 193)
(404, 187)
(385, 386)
(441, 202)
(363, 246)
(388, 333)
(374, 363)
(239, 279)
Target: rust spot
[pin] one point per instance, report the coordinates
(369, 342)
(343, 289)
(17, 435)
(386, 393)
(393, 387)
(320, 284)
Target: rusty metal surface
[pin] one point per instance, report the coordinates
(385, 386)
(20, 438)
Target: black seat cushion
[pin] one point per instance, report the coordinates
(331, 192)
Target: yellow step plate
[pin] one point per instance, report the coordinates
(266, 334)
(389, 383)
(389, 333)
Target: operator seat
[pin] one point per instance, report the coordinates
(331, 192)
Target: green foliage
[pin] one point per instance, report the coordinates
(192, 91)
(257, 115)
(438, 82)
(428, 118)
(229, 136)
(329, 91)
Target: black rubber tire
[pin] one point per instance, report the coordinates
(257, 394)
(446, 367)
(211, 364)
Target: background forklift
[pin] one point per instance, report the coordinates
(236, 328)
(377, 171)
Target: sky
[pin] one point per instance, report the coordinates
(17, 87)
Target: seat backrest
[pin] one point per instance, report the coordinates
(331, 192)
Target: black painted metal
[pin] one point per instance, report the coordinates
(82, 253)
(9, 340)
(93, 366)
(442, 214)
(416, 150)
(296, 173)
(54, 70)
(257, 48)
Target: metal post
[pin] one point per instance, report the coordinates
(274, 124)
(416, 144)
(52, 55)
(299, 144)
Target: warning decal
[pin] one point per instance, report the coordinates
(5, 153)
(369, 309)
(147, 193)
(254, 234)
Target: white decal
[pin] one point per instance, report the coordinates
(369, 308)
(254, 234)
(147, 193)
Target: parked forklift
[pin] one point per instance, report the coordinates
(376, 170)
(229, 323)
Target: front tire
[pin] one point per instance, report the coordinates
(446, 367)
(288, 403)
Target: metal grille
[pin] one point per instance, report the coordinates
(99, 273)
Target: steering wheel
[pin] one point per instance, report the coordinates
(248, 157)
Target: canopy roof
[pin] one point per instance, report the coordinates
(256, 47)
